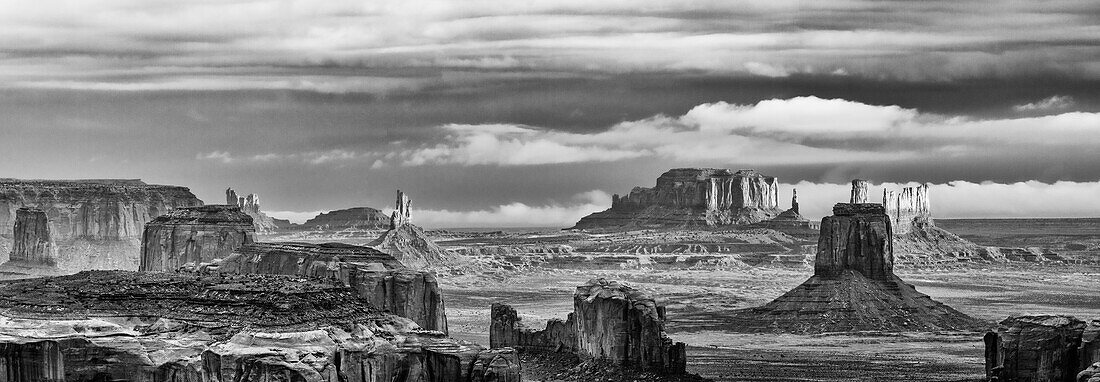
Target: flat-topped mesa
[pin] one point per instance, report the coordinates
(357, 218)
(694, 196)
(401, 211)
(111, 325)
(610, 321)
(853, 287)
(32, 243)
(95, 209)
(250, 205)
(375, 276)
(857, 237)
(908, 208)
(194, 235)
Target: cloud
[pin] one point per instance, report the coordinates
(1056, 102)
(517, 214)
(765, 70)
(800, 130)
(964, 199)
(334, 156)
(220, 156)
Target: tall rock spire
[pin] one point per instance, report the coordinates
(859, 191)
(401, 211)
(231, 197)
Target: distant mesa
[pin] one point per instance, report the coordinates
(351, 219)
(91, 223)
(250, 205)
(693, 197)
(853, 287)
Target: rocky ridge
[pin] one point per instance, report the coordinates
(116, 325)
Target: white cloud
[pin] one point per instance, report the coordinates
(1056, 102)
(761, 69)
(518, 214)
(798, 130)
(335, 156)
(220, 156)
(962, 199)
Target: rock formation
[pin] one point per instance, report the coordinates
(376, 276)
(94, 224)
(194, 235)
(790, 221)
(32, 243)
(401, 212)
(251, 205)
(351, 219)
(116, 325)
(1038, 348)
(908, 208)
(693, 197)
(853, 287)
(859, 191)
(410, 243)
(794, 201)
(609, 321)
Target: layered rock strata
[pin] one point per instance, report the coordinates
(32, 243)
(95, 223)
(693, 197)
(182, 327)
(250, 205)
(375, 276)
(1040, 348)
(853, 287)
(610, 321)
(351, 219)
(194, 235)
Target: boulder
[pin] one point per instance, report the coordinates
(194, 235)
(116, 325)
(693, 197)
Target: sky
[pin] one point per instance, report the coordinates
(533, 113)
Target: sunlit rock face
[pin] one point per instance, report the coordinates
(116, 325)
(32, 242)
(609, 320)
(859, 191)
(909, 208)
(194, 235)
(854, 287)
(408, 242)
(375, 276)
(250, 205)
(693, 197)
(94, 224)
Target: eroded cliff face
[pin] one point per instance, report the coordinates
(194, 235)
(1038, 348)
(610, 321)
(859, 191)
(693, 196)
(376, 276)
(94, 224)
(183, 327)
(351, 219)
(908, 209)
(32, 243)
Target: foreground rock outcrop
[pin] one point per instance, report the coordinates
(95, 223)
(250, 205)
(1042, 348)
(853, 287)
(693, 197)
(610, 321)
(194, 235)
(116, 325)
(375, 276)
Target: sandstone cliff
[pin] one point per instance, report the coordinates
(250, 205)
(376, 276)
(610, 321)
(94, 224)
(693, 197)
(908, 208)
(179, 327)
(1038, 348)
(853, 287)
(194, 235)
(351, 219)
(32, 243)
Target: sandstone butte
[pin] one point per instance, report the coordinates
(119, 325)
(854, 287)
